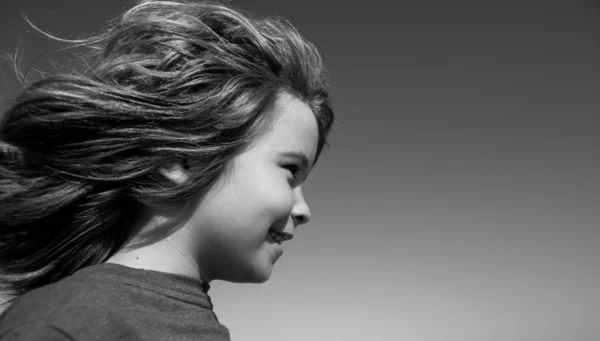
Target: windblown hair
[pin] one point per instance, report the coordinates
(167, 81)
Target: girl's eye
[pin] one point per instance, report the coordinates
(293, 169)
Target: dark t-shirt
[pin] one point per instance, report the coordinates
(114, 302)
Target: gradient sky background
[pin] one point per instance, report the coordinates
(460, 197)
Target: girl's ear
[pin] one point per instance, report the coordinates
(175, 172)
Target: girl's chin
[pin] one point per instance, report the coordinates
(262, 275)
(255, 274)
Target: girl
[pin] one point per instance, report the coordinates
(175, 158)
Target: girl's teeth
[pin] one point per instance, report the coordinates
(278, 238)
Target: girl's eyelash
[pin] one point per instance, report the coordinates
(294, 169)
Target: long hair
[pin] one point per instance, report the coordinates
(166, 81)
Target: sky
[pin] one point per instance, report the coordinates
(459, 198)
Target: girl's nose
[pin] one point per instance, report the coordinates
(300, 211)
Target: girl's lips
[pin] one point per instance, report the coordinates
(280, 237)
(277, 249)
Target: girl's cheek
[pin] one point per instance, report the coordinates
(282, 197)
(273, 192)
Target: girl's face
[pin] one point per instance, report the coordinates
(240, 223)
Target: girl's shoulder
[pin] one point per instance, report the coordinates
(125, 303)
(76, 300)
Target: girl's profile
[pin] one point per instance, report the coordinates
(175, 157)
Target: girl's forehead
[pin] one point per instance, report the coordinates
(295, 128)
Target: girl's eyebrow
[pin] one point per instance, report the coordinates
(298, 155)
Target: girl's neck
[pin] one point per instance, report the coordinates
(150, 249)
